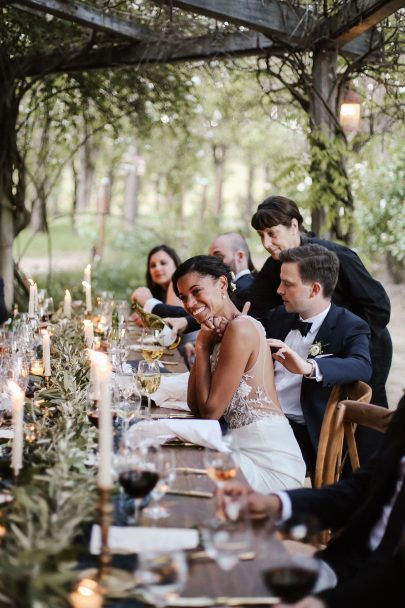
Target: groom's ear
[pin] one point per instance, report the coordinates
(316, 288)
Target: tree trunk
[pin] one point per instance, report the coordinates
(87, 165)
(219, 153)
(131, 189)
(204, 199)
(249, 203)
(13, 214)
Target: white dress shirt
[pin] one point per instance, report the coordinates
(288, 385)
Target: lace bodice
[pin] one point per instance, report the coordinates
(250, 401)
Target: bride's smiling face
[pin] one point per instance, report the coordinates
(202, 295)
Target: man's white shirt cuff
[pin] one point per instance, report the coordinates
(150, 304)
(286, 506)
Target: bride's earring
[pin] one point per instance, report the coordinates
(223, 296)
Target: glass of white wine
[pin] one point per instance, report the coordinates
(148, 380)
(152, 349)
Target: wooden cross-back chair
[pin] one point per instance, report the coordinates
(329, 454)
(368, 415)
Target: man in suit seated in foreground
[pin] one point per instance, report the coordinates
(367, 557)
(315, 343)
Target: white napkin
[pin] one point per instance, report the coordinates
(201, 432)
(172, 391)
(6, 433)
(131, 539)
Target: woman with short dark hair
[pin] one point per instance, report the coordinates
(233, 378)
(279, 224)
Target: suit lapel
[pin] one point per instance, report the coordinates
(327, 329)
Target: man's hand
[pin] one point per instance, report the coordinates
(141, 295)
(178, 324)
(260, 506)
(307, 602)
(136, 319)
(289, 358)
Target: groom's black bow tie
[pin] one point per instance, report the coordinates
(302, 326)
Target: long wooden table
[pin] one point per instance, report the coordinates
(205, 576)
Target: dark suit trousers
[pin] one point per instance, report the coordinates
(308, 453)
(367, 440)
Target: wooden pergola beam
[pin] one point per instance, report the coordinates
(90, 17)
(270, 17)
(186, 49)
(293, 25)
(354, 20)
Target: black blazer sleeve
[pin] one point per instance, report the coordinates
(3, 310)
(167, 310)
(262, 293)
(333, 505)
(357, 290)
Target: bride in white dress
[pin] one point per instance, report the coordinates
(233, 377)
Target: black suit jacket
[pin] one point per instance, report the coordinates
(345, 338)
(244, 282)
(356, 290)
(356, 504)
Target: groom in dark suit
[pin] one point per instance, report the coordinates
(315, 344)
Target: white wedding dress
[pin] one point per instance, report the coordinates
(264, 444)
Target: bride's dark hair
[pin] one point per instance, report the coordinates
(204, 265)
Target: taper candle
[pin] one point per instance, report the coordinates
(105, 441)
(67, 305)
(17, 403)
(46, 353)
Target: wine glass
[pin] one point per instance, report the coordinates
(137, 468)
(227, 541)
(148, 380)
(163, 575)
(221, 466)
(291, 577)
(48, 309)
(152, 348)
(166, 478)
(127, 402)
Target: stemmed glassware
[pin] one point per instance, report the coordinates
(221, 466)
(163, 575)
(166, 478)
(227, 540)
(152, 348)
(148, 380)
(127, 402)
(138, 470)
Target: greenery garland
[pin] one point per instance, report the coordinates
(57, 493)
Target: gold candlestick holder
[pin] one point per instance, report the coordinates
(105, 515)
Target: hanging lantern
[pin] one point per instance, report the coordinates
(349, 117)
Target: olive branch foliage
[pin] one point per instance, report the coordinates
(56, 494)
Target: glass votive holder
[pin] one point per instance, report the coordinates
(87, 594)
(37, 367)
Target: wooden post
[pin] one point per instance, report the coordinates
(323, 108)
(103, 206)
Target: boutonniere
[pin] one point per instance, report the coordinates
(316, 349)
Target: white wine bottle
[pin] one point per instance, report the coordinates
(152, 321)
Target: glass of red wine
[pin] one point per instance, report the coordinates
(292, 578)
(138, 470)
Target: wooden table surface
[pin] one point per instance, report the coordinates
(205, 576)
